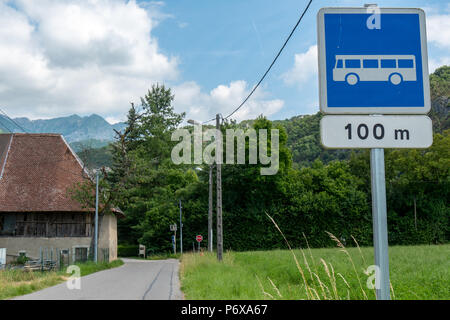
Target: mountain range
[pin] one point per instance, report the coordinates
(91, 130)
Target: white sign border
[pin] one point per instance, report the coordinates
(371, 110)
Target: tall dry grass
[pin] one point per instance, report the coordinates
(325, 288)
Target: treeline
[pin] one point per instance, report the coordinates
(315, 190)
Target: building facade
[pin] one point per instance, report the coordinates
(37, 211)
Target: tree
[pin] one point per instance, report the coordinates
(143, 177)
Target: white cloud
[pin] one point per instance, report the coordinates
(305, 67)
(224, 99)
(433, 64)
(63, 57)
(96, 56)
(438, 30)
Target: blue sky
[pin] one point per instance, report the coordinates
(100, 55)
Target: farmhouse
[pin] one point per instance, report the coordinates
(36, 210)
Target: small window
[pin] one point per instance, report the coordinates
(370, 63)
(81, 254)
(352, 63)
(339, 64)
(7, 224)
(405, 63)
(388, 63)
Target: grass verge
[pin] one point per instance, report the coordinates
(18, 282)
(416, 272)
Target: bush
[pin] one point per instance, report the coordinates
(128, 250)
(21, 260)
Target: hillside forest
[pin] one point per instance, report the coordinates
(314, 192)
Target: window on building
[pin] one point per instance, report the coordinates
(81, 254)
(7, 224)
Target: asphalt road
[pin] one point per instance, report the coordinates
(135, 280)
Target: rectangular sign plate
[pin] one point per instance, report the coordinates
(373, 61)
(349, 131)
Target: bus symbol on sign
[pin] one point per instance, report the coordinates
(373, 70)
(392, 68)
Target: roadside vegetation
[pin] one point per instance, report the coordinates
(18, 282)
(314, 189)
(416, 272)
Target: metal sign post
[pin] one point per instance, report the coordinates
(379, 217)
(375, 94)
(199, 239)
(181, 232)
(173, 244)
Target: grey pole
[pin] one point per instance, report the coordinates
(210, 230)
(96, 219)
(219, 200)
(181, 231)
(379, 216)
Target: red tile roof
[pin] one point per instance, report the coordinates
(36, 171)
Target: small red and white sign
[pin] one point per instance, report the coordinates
(199, 238)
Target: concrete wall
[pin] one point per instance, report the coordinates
(32, 245)
(107, 236)
(107, 239)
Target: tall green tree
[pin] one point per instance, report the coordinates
(143, 170)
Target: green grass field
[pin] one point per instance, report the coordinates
(416, 272)
(18, 282)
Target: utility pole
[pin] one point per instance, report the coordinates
(219, 193)
(210, 226)
(96, 220)
(210, 200)
(181, 232)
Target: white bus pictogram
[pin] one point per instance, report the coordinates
(392, 68)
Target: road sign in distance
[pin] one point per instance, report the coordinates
(199, 238)
(373, 61)
(365, 131)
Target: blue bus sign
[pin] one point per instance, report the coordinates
(373, 61)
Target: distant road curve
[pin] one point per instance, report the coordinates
(135, 280)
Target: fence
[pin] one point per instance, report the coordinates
(54, 258)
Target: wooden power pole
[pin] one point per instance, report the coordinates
(219, 194)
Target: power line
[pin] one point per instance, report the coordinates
(5, 126)
(13, 121)
(271, 65)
